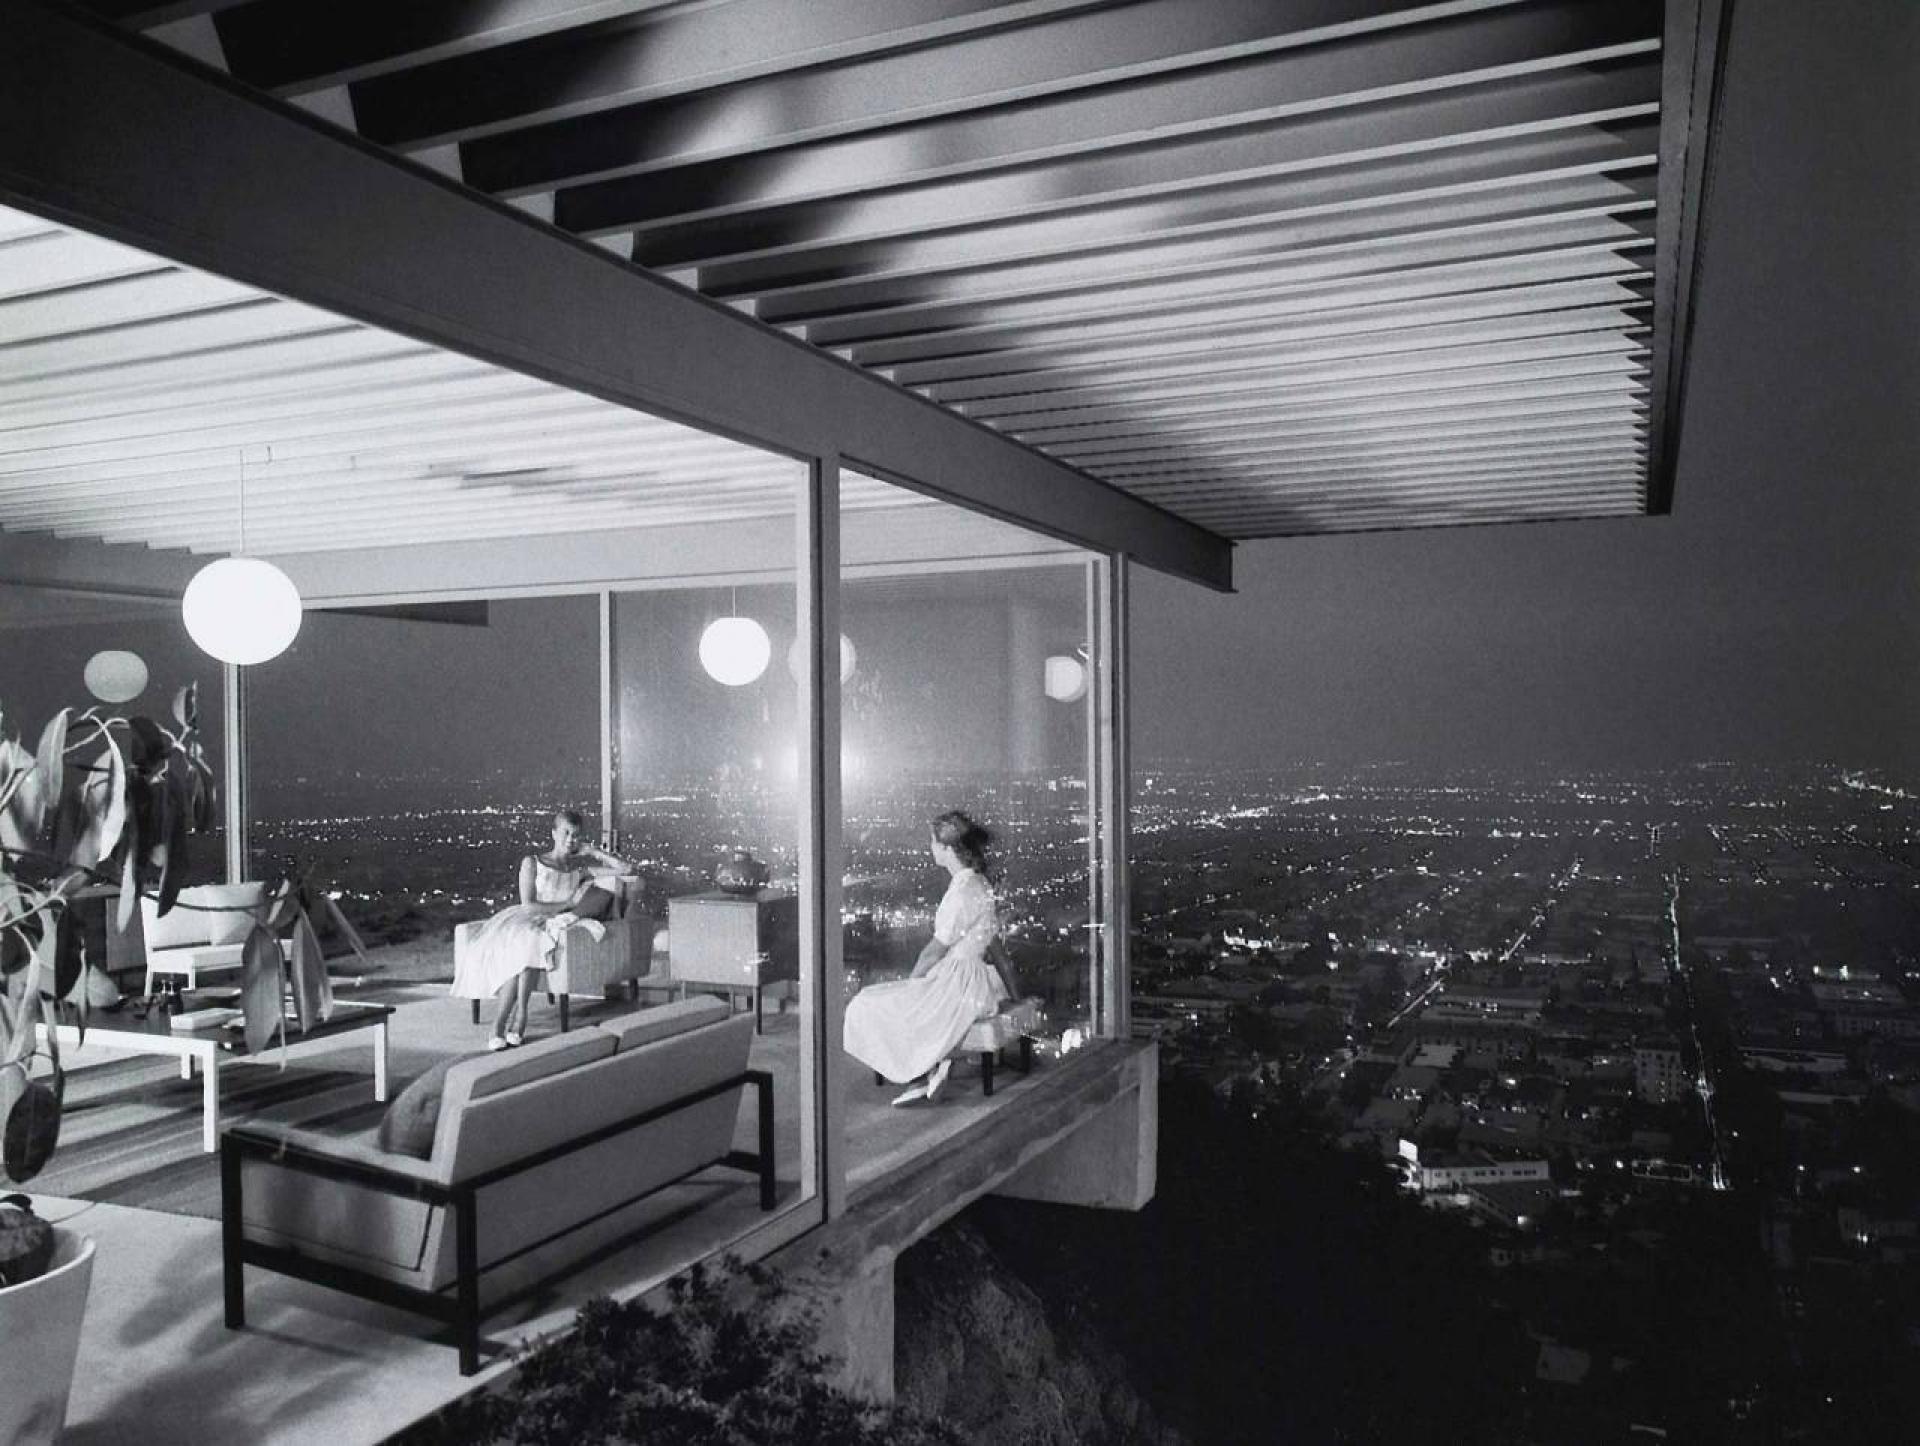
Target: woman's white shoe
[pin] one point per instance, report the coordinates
(496, 1044)
(910, 1094)
(515, 1038)
(938, 1077)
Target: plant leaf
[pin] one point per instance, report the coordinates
(13, 1085)
(261, 994)
(129, 888)
(33, 1129)
(67, 961)
(52, 754)
(312, 990)
(24, 818)
(186, 707)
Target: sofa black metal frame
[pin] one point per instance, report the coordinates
(461, 1309)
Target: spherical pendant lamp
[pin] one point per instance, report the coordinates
(734, 651)
(849, 658)
(242, 610)
(1065, 679)
(115, 676)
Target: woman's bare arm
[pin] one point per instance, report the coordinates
(931, 953)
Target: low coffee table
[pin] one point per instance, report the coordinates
(155, 1034)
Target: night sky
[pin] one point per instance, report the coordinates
(1772, 617)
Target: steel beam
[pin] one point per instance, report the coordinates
(1598, 159)
(1015, 66)
(696, 48)
(1562, 100)
(196, 169)
(657, 181)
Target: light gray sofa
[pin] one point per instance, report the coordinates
(540, 1157)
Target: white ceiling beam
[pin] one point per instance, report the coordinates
(1264, 432)
(263, 320)
(1335, 323)
(1607, 391)
(144, 296)
(1257, 378)
(1427, 440)
(1210, 250)
(977, 393)
(1424, 126)
(1599, 164)
(1286, 271)
(1281, 302)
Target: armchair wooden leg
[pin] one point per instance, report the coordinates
(986, 1072)
(476, 1011)
(1026, 1054)
(563, 1011)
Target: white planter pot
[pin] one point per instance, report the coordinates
(39, 1340)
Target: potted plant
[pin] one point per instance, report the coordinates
(100, 810)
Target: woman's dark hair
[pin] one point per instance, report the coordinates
(570, 815)
(969, 840)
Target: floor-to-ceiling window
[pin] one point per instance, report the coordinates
(972, 668)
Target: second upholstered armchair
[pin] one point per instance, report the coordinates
(586, 966)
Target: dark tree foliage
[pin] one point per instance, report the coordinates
(1279, 1290)
(730, 1362)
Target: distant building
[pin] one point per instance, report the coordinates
(1454, 1172)
(1659, 1077)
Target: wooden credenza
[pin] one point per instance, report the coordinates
(735, 942)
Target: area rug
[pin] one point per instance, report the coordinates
(130, 1132)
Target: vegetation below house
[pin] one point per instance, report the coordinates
(731, 1359)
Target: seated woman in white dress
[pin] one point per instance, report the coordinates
(510, 952)
(906, 1028)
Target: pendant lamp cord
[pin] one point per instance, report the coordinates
(241, 551)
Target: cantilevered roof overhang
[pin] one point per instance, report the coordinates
(1168, 271)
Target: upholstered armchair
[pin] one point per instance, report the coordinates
(586, 966)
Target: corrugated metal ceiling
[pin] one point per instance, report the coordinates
(1280, 268)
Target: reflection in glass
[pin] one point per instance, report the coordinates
(976, 656)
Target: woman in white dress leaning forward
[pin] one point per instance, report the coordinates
(906, 1028)
(513, 950)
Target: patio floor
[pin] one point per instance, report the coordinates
(157, 1361)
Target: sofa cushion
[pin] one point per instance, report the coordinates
(408, 1125)
(489, 1074)
(634, 1030)
(235, 908)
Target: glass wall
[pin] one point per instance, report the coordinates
(409, 751)
(972, 666)
(406, 758)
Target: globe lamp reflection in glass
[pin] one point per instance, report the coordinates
(849, 658)
(242, 610)
(115, 676)
(734, 651)
(1065, 679)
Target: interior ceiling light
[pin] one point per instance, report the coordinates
(241, 609)
(115, 676)
(849, 658)
(734, 650)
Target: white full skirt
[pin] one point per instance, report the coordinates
(905, 1027)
